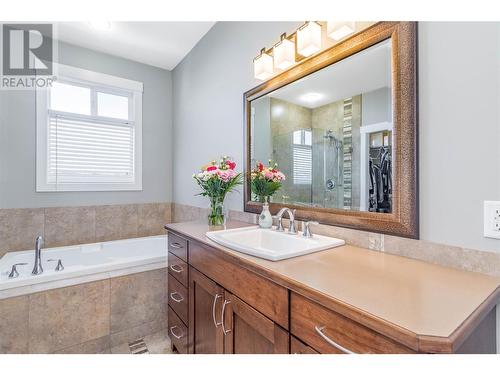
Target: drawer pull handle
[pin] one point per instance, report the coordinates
(176, 245)
(178, 337)
(224, 330)
(178, 300)
(331, 342)
(213, 310)
(179, 269)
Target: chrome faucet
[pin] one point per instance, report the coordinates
(37, 269)
(291, 216)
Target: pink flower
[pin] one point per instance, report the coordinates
(225, 175)
(268, 174)
(211, 168)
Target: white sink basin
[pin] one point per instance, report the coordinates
(271, 245)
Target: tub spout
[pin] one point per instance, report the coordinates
(37, 269)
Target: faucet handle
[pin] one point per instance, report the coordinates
(279, 226)
(13, 272)
(59, 266)
(306, 232)
(291, 227)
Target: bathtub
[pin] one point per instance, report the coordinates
(82, 263)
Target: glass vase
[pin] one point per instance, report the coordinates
(216, 214)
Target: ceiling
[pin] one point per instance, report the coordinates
(161, 44)
(363, 72)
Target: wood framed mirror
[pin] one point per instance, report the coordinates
(342, 126)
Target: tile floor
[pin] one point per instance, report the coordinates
(157, 343)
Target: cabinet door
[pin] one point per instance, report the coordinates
(298, 347)
(205, 326)
(247, 331)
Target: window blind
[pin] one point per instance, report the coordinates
(89, 150)
(302, 164)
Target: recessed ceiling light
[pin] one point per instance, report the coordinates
(311, 97)
(100, 25)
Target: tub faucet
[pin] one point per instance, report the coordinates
(37, 269)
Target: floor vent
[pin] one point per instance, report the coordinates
(138, 347)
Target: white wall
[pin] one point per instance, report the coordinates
(459, 118)
(17, 137)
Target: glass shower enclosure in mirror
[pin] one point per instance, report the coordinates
(331, 133)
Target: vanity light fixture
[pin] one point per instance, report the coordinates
(309, 38)
(284, 53)
(263, 65)
(338, 30)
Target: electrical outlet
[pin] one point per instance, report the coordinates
(492, 219)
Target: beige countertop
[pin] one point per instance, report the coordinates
(423, 298)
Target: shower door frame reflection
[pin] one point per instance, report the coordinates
(403, 220)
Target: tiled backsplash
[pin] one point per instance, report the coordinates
(73, 225)
(448, 256)
(61, 226)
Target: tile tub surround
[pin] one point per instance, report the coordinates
(85, 318)
(449, 256)
(62, 226)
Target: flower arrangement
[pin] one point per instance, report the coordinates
(265, 181)
(216, 180)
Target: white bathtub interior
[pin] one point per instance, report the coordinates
(87, 262)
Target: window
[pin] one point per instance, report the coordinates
(302, 157)
(89, 133)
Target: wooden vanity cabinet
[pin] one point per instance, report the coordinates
(217, 304)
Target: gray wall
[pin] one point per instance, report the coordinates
(459, 118)
(459, 78)
(17, 137)
(208, 95)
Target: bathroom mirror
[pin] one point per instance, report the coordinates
(342, 128)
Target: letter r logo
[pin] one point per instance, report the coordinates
(27, 49)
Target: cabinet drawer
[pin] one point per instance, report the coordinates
(178, 269)
(177, 332)
(178, 246)
(329, 332)
(265, 296)
(298, 347)
(178, 298)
